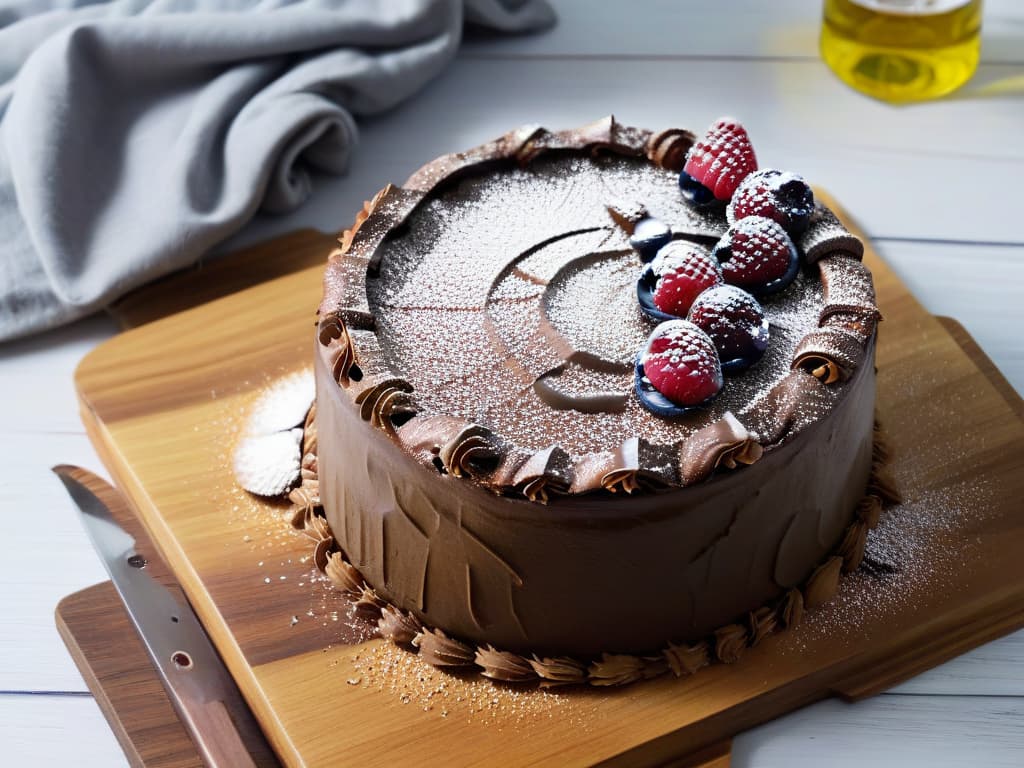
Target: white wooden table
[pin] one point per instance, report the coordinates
(938, 187)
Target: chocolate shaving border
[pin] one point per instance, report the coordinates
(726, 645)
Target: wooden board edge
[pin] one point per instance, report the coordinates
(977, 355)
(209, 280)
(80, 656)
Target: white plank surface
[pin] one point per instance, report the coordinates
(906, 731)
(44, 731)
(934, 184)
(786, 29)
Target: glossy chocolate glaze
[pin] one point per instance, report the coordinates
(411, 480)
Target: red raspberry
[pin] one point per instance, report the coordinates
(684, 271)
(721, 158)
(681, 363)
(735, 323)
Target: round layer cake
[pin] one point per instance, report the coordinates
(484, 459)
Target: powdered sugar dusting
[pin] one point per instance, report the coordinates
(500, 277)
(921, 548)
(469, 698)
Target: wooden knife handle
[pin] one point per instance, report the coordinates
(221, 745)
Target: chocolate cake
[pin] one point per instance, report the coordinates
(497, 483)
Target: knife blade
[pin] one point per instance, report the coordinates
(201, 689)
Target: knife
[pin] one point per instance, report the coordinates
(202, 691)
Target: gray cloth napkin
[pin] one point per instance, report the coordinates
(135, 134)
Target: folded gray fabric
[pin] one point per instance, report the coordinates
(135, 134)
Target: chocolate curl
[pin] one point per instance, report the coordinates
(398, 626)
(687, 659)
(469, 452)
(791, 610)
(547, 472)
(830, 355)
(825, 235)
(627, 214)
(380, 403)
(640, 465)
(668, 149)
(824, 582)
(849, 296)
(439, 650)
(558, 671)
(725, 442)
(504, 666)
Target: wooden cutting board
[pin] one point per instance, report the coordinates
(162, 402)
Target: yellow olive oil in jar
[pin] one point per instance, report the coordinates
(902, 50)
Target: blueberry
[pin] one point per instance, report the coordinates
(696, 193)
(649, 236)
(653, 400)
(645, 288)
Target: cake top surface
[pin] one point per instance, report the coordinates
(486, 317)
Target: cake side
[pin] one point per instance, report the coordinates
(604, 573)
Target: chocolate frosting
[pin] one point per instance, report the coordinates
(482, 330)
(436, 443)
(729, 642)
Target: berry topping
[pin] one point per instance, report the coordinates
(734, 322)
(676, 277)
(678, 369)
(757, 255)
(717, 163)
(649, 235)
(778, 195)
